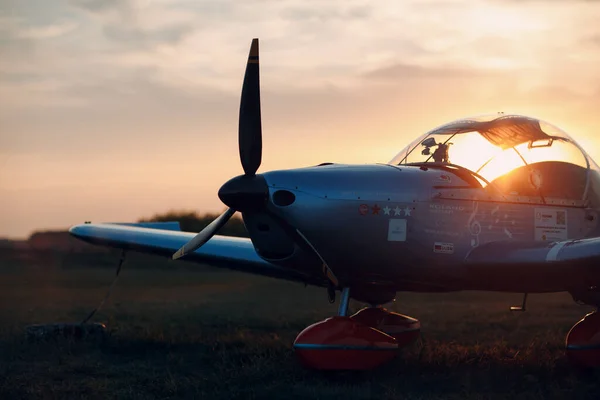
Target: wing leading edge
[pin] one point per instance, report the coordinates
(220, 251)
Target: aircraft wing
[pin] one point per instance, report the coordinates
(578, 251)
(544, 266)
(219, 251)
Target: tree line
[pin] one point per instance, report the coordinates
(191, 221)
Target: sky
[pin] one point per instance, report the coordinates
(113, 110)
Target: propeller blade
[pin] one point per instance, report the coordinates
(204, 235)
(250, 130)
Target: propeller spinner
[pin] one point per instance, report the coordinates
(247, 192)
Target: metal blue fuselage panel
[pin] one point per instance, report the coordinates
(412, 227)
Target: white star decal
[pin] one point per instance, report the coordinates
(397, 211)
(386, 210)
(407, 211)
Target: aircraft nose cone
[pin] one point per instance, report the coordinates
(245, 193)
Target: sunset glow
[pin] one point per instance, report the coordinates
(115, 110)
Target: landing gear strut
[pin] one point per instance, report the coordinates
(363, 341)
(344, 302)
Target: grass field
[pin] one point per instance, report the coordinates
(180, 332)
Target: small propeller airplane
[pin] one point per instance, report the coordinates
(504, 203)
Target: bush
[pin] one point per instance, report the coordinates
(190, 221)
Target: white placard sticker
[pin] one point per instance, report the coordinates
(550, 224)
(397, 230)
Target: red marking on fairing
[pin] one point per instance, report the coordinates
(363, 209)
(376, 209)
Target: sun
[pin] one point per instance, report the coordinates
(474, 152)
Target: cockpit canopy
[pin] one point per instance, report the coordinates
(519, 155)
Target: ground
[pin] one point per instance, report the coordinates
(181, 331)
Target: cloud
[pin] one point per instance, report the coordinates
(137, 24)
(55, 116)
(325, 13)
(405, 71)
(134, 36)
(98, 5)
(46, 32)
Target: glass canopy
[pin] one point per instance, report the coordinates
(519, 154)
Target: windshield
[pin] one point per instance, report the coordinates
(493, 145)
(501, 146)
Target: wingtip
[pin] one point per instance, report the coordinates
(76, 230)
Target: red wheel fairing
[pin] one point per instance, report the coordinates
(583, 342)
(340, 343)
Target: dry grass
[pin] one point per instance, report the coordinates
(204, 333)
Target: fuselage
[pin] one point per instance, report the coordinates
(409, 227)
